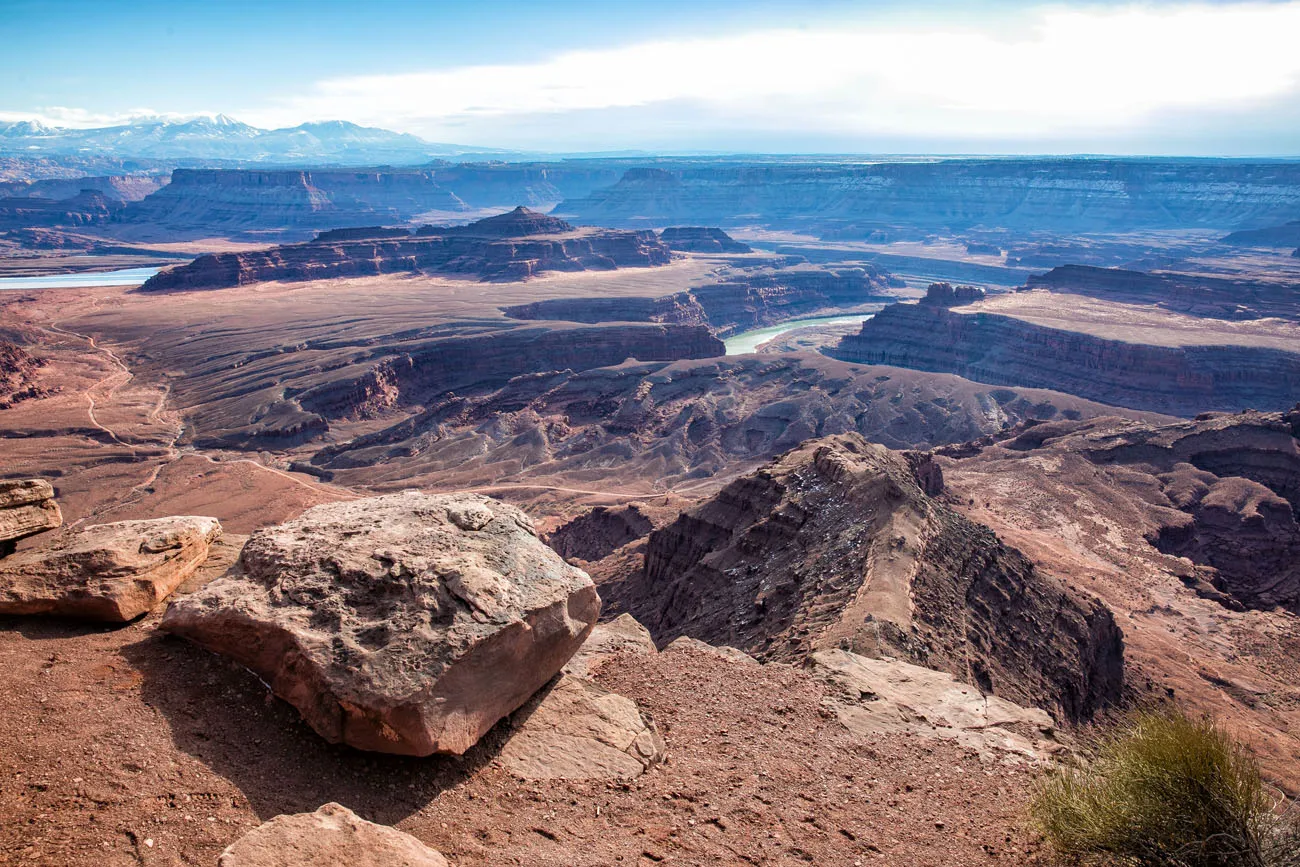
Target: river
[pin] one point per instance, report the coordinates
(125, 277)
(748, 341)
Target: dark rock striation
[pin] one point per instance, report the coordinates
(18, 371)
(1002, 350)
(513, 246)
(837, 545)
(86, 208)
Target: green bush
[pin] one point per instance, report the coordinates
(1166, 791)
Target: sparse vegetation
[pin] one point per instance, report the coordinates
(1166, 790)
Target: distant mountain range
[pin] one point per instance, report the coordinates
(223, 138)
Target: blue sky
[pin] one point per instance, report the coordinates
(770, 75)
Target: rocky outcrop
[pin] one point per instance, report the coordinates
(330, 837)
(836, 545)
(1223, 491)
(409, 623)
(499, 248)
(1064, 195)
(701, 239)
(111, 572)
(1193, 294)
(18, 371)
(86, 208)
(947, 295)
(1003, 350)
(874, 697)
(27, 507)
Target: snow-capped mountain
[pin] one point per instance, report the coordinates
(224, 138)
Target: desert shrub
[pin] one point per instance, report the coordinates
(1166, 790)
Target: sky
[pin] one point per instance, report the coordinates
(776, 76)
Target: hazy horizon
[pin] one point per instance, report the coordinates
(779, 77)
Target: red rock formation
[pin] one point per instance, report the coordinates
(946, 295)
(85, 208)
(499, 248)
(1002, 350)
(836, 545)
(18, 369)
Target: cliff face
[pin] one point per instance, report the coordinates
(837, 544)
(1193, 294)
(279, 199)
(730, 306)
(491, 249)
(85, 208)
(1047, 194)
(700, 239)
(1287, 235)
(1002, 350)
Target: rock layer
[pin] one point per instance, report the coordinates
(330, 837)
(409, 623)
(112, 572)
(836, 544)
(1003, 350)
(27, 507)
(516, 249)
(700, 239)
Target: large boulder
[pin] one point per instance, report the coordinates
(330, 837)
(409, 623)
(113, 572)
(26, 507)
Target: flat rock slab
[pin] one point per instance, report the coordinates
(889, 696)
(578, 730)
(623, 634)
(26, 507)
(333, 836)
(112, 572)
(409, 623)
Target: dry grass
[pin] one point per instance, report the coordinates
(1166, 790)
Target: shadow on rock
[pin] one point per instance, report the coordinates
(225, 716)
(46, 628)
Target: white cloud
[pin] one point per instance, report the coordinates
(1042, 73)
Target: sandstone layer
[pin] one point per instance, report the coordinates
(408, 623)
(842, 543)
(1005, 350)
(330, 837)
(112, 572)
(880, 696)
(27, 507)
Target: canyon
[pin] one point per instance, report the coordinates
(858, 586)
